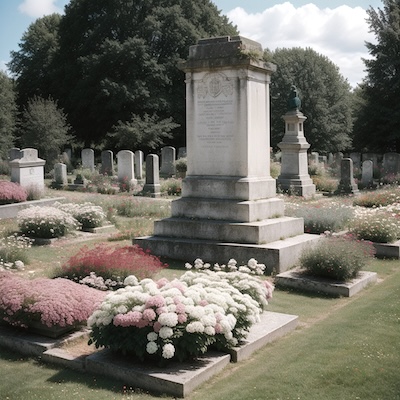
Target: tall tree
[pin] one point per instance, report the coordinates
(8, 114)
(44, 127)
(118, 60)
(377, 126)
(31, 65)
(324, 93)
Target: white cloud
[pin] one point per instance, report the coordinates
(338, 33)
(39, 8)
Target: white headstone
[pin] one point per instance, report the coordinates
(125, 159)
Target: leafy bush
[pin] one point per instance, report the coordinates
(11, 192)
(181, 166)
(179, 319)
(171, 187)
(325, 183)
(45, 222)
(275, 169)
(331, 217)
(109, 262)
(13, 251)
(53, 302)
(337, 257)
(378, 198)
(376, 225)
(87, 214)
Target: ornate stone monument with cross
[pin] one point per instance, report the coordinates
(228, 207)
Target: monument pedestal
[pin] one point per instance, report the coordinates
(229, 207)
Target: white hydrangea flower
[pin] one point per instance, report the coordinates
(151, 347)
(168, 350)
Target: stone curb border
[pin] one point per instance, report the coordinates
(178, 379)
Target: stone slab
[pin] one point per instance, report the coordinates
(101, 229)
(387, 250)
(11, 210)
(297, 280)
(271, 327)
(278, 256)
(177, 379)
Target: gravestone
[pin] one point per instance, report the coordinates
(330, 159)
(367, 178)
(139, 159)
(347, 184)
(356, 157)
(28, 170)
(14, 153)
(126, 161)
(152, 187)
(391, 163)
(182, 152)
(228, 207)
(60, 174)
(314, 158)
(88, 159)
(294, 177)
(107, 163)
(168, 156)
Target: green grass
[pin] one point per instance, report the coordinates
(343, 348)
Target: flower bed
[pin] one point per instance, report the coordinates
(11, 192)
(58, 303)
(87, 214)
(179, 319)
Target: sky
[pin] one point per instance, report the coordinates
(336, 29)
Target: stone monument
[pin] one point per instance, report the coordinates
(294, 175)
(228, 207)
(347, 184)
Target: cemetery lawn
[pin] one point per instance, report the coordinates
(343, 348)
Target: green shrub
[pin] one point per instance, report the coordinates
(171, 187)
(376, 226)
(333, 217)
(274, 169)
(378, 198)
(337, 257)
(324, 183)
(181, 166)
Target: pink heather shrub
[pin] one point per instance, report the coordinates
(109, 262)
(53, 302)
(11, 192)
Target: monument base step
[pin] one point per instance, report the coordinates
(257, 232)
(277, 256)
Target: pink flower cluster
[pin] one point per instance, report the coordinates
(11, 192)
(58, 301)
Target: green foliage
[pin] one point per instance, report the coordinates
(376, 126)
(32, 64)
(44, 127)
(325, 97)
(376, 226)
(337, 257)
(8, 110)
(122, 56)
(171, 187)
(147, 132)
(275, 169)
(332, 217)
(378, 198)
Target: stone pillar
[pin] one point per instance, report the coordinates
(347, 185)
(28, 170)
(152, 186)
(139, 158)
(87, 156)
(228, 207)
(294, 176)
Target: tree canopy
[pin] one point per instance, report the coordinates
(377, 126)
(109, 63)
(325, 96)
(8, 115)
(44, 127)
